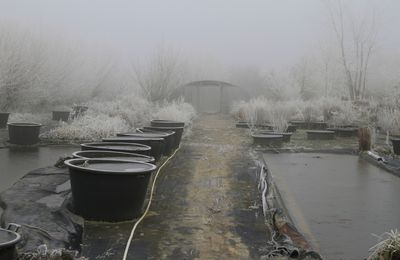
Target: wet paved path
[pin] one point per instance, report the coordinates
(338, 201)
(204, 202)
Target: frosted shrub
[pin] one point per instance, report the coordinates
(176, 110)
(89, 127)
(388, 246)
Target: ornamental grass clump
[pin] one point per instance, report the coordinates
(388, 247)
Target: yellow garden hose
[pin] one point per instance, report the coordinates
(128, 244)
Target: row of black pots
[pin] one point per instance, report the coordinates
(309, 125)
(9, 238)
(107, 183)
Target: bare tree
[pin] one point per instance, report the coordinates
(356, 42)
(160, 76)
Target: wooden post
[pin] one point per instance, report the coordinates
(364, 139)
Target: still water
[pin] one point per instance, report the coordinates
(16, 162)
(337, 201)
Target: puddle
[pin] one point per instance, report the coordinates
(337, 201)
(16, 162)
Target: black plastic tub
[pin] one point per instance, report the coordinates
(309, 125)
(91, 154)
(61, 116)
(320, 135)
(285, 136)
(117, 147)
(166, 123)
(8, 242)
(178, 133)
(396, 145)
(268, 140)
(24, 133)
(242, 125)
(156, 144)
(4, 119)
(108, 190)
(169, 137)
(344, 131)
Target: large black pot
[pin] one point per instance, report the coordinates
(156, 144)
(8, 241)
(344, 131)
(166, 123)
(268, 140)
(24, 133)
(117, 147)
(285, 136)
(178, 132)
(61, 116)
(168, 136)
(90, 154)
(396, 145)
(108, 190)
(4, 119)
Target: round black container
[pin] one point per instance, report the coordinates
(396, 145)
(268, 139)
(90, 154)
(156, 144)
(118, 147)
(346, 131)
(320, 135)
(299, 124)
(4, 119)
(24, 133)
(285, 136)
(168, 136)
(8, 242)
(108, 190)
(166, 123)
(242, 125)
(61, 115)
(178, 132)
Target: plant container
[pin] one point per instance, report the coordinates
(168, 136)
(117, 147)
(108, 190)
(90, 154)
(156, 144)
(317, 125)
(9, 238)
(178, 132)
(299, 124)
(285, 136)
(346, 131)
(268, 140)
(24, 133)
(242, 125)
(4, 119)
(61, 115)
(320, 135)
(396, 145)
(166, 123)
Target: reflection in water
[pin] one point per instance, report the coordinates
(15, 162)
(342, 199)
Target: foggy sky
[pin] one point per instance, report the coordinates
(262, 33)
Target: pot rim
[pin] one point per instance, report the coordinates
(131, 138)
(70, 164)
(11, 242)
(22, 124)
(141, 147)
(320, 132)
(164, 127)
(77, 156)
(5, 113)
(267, 136)
(61, 111)
(164, 134)
(167, 121)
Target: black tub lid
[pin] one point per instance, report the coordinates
(320, 131)
(118, 145)
(110, 165)
(268, 136)
(146, 134)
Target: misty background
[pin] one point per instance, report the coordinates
(265, 47)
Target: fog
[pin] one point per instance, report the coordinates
(266, 34)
